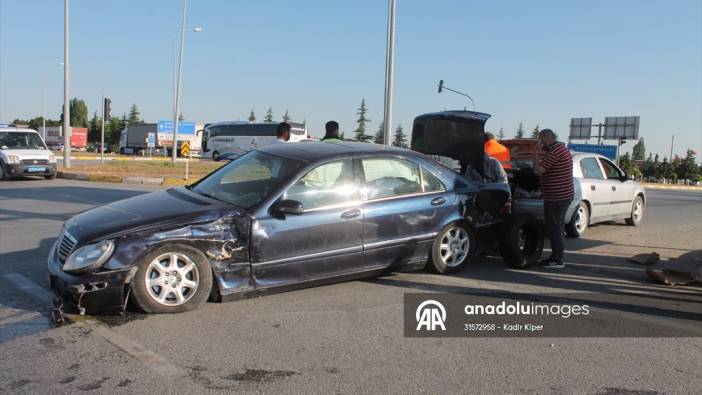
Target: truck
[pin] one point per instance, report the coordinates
(137, 138)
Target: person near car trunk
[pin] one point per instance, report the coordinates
(555, 171)
(332, 132)
(282, 134)
(498, 151)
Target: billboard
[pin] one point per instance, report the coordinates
(79, 137)
(580, 128)
(609, 151)
(621, 127)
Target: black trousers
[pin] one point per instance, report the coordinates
(554, 221)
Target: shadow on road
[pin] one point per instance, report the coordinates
(66, 194)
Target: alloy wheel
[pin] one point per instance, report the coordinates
(172, 279)
(454, 247)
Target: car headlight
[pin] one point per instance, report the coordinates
(52, 158)
(13, 159)
(89, 257)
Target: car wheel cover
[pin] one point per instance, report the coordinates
(580, 219)
(638, 210)
(171, 279)
(454, 247)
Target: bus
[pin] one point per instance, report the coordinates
(241, 137)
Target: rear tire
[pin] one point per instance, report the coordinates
(172, 279)
(637, 212)
(521, 240)
(452, 248)
(580, 221)
(50, 176)
(215, 156)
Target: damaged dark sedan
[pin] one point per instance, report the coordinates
(283, 217)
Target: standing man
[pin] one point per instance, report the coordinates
(556, 182)
(282, 134)
(332, 133)
(498, 151)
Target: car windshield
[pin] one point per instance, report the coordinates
(21, 140)
(248, 179)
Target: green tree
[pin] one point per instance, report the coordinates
(639, 150)
(400, 139)
(113, 132)
(535, 132)
(501, 134)
(79, 113)
(94, 128)
(134, 115)
(252, 116)
(687, 168)
(269, 115)
(360, 132)
(287, 117)
(626, 164)
(380, 134)
(519, 133)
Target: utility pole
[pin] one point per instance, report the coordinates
(66, 100)
(180, 79)
(43, 110)
(102, 132)
(672, 141)
(387, 113)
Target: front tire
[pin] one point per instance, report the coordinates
(215, 156)
(580, 221)
(452, 248)
(3, 172)
(172, 279)
(637, 212)
(521, 240)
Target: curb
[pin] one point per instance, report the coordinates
(166, 181)
(672, 187)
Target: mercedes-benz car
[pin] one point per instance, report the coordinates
(282, 217)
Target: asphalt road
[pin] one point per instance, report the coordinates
(348, 337)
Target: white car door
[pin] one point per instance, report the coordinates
(595, 188)
(621, 187)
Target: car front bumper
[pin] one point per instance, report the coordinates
(21, 169)
(97, 293)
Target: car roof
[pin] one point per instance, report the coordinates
(13, 129)
(313, 150)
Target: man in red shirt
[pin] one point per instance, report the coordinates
(556, 182)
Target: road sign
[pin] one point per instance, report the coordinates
(580, 128)
(185, 149)
(621, 127)
(609, 151)
(151, 140)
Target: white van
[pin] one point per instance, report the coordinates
(239, 138)
(24, 153)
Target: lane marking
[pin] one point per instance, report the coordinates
(31, 288)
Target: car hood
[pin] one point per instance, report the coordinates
(28, 153)
(164, 209)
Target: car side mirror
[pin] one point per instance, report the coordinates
(287, 206)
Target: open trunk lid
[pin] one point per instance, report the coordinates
(457, 135)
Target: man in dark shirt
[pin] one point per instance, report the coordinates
(556, 182)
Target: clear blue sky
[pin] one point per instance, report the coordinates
(539, 62)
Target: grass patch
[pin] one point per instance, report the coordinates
(147, 169)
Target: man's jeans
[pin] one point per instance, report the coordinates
(554, 221)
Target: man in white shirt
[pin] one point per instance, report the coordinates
(283, 133)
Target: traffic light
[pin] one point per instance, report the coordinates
(441, 85)
(107, 109)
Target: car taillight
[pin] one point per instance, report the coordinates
(507, 207)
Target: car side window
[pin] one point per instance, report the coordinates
(431, 183)
(610, 169)
(326, 185)
(591, 169)
(387, 177)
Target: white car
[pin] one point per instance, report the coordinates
(24, 153)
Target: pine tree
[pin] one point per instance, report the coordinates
(252, 116)
(400, 139)
(360, 132)
(520, 131)
(94, 128)
(535, 132)
(269, 115)
(287, 117)
(501, 134)
(134, 115)
(380, 134)
(639, 150)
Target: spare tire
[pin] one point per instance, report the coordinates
(521, 240)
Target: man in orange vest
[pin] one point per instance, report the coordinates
(498, 151)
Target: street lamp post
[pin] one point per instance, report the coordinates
(387, 113)
(66, 102)
(178, 83)
(672, 141)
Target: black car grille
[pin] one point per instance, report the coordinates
(65, 246)
(30, 162)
